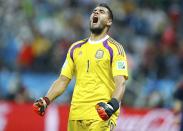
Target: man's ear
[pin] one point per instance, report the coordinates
(109, 22)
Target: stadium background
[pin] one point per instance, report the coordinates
(36, 34)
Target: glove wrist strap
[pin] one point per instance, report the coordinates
(47, 100)
(114, 103)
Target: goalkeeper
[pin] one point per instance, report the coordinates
(100, 67)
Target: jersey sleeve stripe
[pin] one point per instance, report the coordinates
(74, 47)
(118, 46)
(119, 50)
(106, 45)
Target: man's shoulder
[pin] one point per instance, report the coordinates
(116, 46)
(113, 41)
(79, 42)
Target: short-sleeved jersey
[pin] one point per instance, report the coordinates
(94, 66)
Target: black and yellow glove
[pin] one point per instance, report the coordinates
(105, 110)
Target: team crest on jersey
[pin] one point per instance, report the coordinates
(99, 54)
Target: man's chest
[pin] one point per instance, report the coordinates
(92, 56)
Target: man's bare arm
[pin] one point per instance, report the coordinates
(120, 87)
(58, 87)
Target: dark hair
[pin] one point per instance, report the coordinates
(108, 8)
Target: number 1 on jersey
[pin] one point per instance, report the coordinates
(88, 65)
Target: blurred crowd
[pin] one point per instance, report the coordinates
(36, 34)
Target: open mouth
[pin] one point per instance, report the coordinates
(95, 19)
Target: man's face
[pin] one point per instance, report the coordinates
(99, 19)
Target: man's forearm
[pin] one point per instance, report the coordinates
(57, 88)
(120, 88)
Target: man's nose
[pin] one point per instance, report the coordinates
(96, 12)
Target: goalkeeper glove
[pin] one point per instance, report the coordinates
(40, 105)
(105, 110)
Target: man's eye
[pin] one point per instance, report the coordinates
(101, 11)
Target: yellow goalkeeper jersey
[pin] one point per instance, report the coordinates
(94, 64)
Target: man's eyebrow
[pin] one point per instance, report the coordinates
(101, 10)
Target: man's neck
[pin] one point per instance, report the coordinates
(96, 37)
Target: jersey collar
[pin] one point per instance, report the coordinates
(98, 41)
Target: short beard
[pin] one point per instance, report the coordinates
(96, 31)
